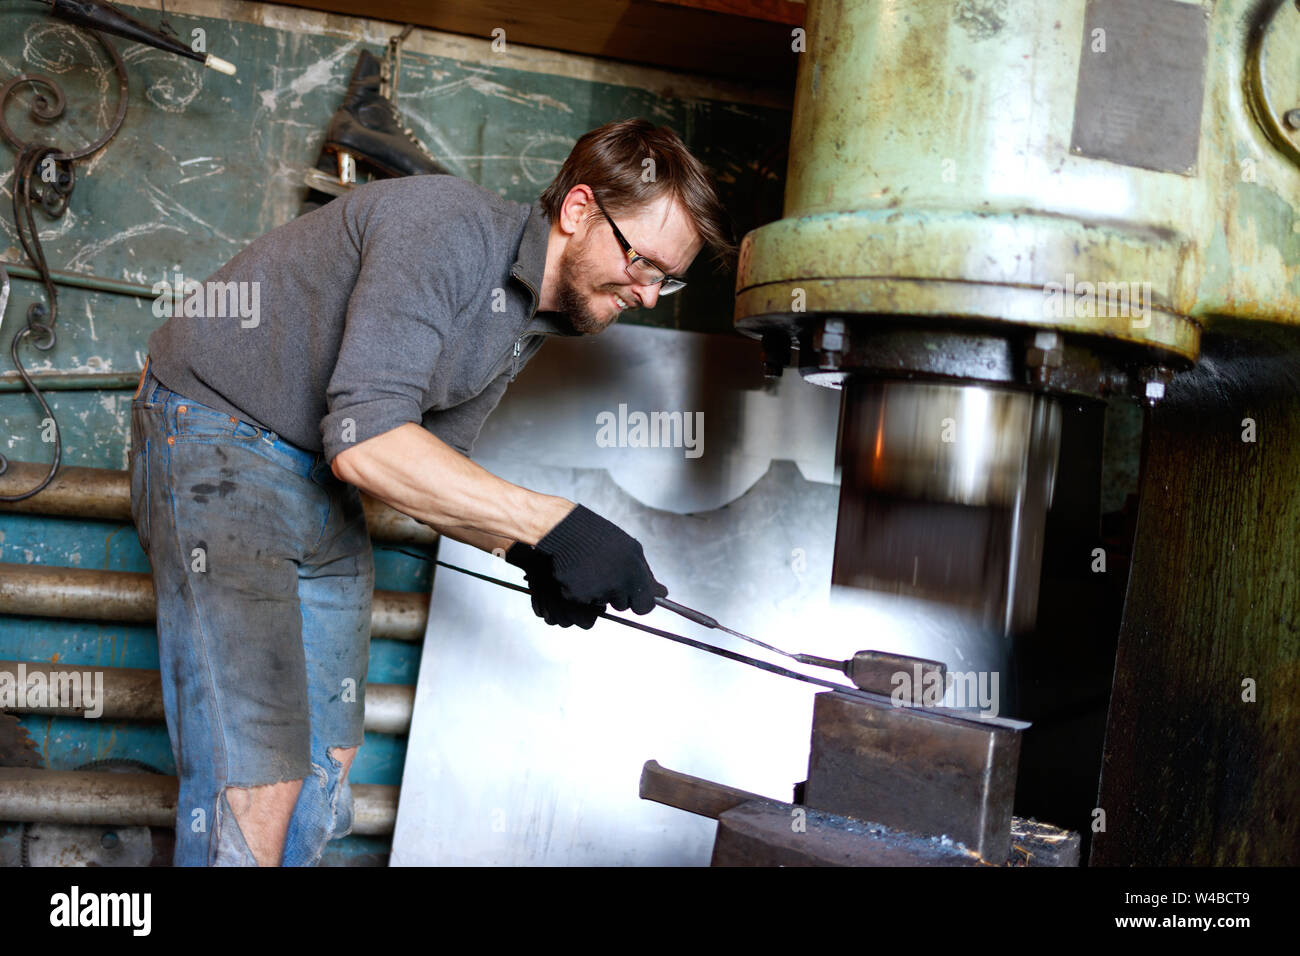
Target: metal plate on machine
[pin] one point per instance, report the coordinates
(527, 741)
(1141, 82)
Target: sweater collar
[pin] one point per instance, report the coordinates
(530, 268)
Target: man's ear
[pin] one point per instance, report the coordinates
(577, 207)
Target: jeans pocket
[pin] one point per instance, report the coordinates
(194, 422)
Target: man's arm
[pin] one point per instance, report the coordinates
(422, 476)
(477, 539)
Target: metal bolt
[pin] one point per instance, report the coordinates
(1292, 118)
(1154, 379)
(1045, 351)
(108, 840)
(833, 336)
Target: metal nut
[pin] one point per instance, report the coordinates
(1154, 379)
(1047, 350)
(833, 336)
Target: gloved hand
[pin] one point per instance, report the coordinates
(548, 603)
(596, 562)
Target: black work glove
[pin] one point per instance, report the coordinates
(595, 561)
(548, 603)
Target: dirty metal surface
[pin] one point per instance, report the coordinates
(903, 768)
(931, 176)
(80, 845)
(1141, 84)
(17, 748)
(760, 836)
(770, 834)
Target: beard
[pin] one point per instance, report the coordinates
(572, 301)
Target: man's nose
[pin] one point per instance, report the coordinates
(649, 294)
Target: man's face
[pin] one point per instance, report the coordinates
(592, 274)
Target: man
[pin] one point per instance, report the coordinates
(383, 329)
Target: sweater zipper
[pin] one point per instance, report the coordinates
(514, 357)
(519, 342)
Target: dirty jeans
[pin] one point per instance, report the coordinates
(263, 574)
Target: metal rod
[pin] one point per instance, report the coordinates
(142, 799)
(80, 280)
(105, 493)
(71, 381)
(126, 596)
(944, 713)
(131, 693)
(668, 635)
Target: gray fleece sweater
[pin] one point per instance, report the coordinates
(407, 300)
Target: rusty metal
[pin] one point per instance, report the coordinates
(392, 527)
(1139, 99)
(17, 749)
(692, 794)
(1077, 366)
(136, 694)
(128, 799)
(931, 178)
(74, 844)
(1274, 77)
(912, 769)
(754, 830)
(766, 834)
(45, 176)
(93, 595)
(876, 671)
(105, 493)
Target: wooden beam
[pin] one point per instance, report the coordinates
(745, 39)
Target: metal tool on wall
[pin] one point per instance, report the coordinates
(45, 176)
(103, 16)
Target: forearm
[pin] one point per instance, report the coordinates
(477, 539)
(420, 475)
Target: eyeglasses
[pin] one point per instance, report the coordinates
(641, 269)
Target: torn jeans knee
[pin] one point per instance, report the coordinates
(324, 812)
(227, 846)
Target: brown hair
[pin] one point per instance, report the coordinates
(611, 160)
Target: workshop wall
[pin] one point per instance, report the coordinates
(204, 163)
